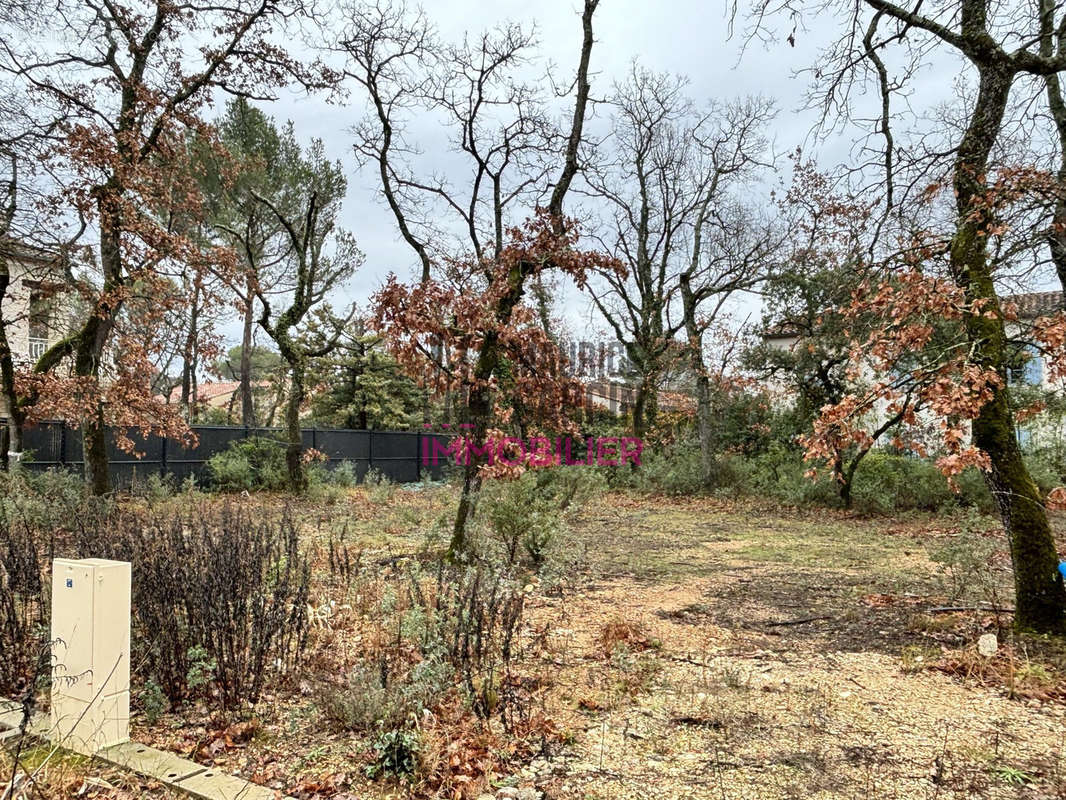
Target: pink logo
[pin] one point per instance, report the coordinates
(537, 451)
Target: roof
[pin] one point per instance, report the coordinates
(1036, 304)
(781, 330)
(208, 391)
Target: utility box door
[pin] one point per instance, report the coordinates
(91, 653)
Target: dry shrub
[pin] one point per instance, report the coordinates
(219, 595)
(1009, 670)
(630, 635)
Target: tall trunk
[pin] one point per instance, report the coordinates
(1056, 236)
(705, 428)
(16, 415)
(94, 445)
(703, 381)
(294, 448)
(480, 411)
(188, 362)
(93, 337)
(247, 404)
(1040, 597)
(645, 405)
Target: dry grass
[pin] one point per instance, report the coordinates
(675, 648)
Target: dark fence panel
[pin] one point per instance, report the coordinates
(401, 456)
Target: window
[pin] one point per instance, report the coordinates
(1025, 437)
(38, 324)
(1028, 368)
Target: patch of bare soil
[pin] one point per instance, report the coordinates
(773, 695)
(745, 669)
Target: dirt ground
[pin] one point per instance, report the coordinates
(694, 648)
(763, 655)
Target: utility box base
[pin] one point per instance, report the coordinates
(90, 653)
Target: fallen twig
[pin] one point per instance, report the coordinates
(953, 609)
(802, 621)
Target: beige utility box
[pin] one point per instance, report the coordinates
(90, 653)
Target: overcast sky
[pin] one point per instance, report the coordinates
(688, 37)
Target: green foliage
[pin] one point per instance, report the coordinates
(253, 464)
(365, 389)
(884, 482)
(201, 670)
(672, 468)
(153, 701)
(396, 753)
(802, 299)
(52, 500)
(525, 515)
(344, 475)
(154, 488)
(265, 364)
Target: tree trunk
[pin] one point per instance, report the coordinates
(705, 427)
(480, 410)
(188, 362)
(294, 448)
(16, 417)
(247, 404)
(1040, 602)
(94, 445)
(1056, 236)
(703, 381)
(645, 405)
(1057, 239)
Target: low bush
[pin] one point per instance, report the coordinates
(372, 697)
(969, 567)
(219, 595)
(249, 465)
(396, 753)
(40, 513)
(379, 488)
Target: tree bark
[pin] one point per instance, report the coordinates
(247, 404)
(1056, 236)
(93, 337)
(188, 361)
(294, 447)
(16, 416)
(1040, 596)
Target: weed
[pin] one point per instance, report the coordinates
(153, 701)
(396, 753)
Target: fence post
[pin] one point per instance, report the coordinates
(370, 451)
(63, 443)
(418, 455)
(163, 459)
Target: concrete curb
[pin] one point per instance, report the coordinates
(195, 780)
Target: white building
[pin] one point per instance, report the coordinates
(32, 308)
(1045, 429)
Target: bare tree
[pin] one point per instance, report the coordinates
(666, 175)
(501, 129)
(642, 173)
